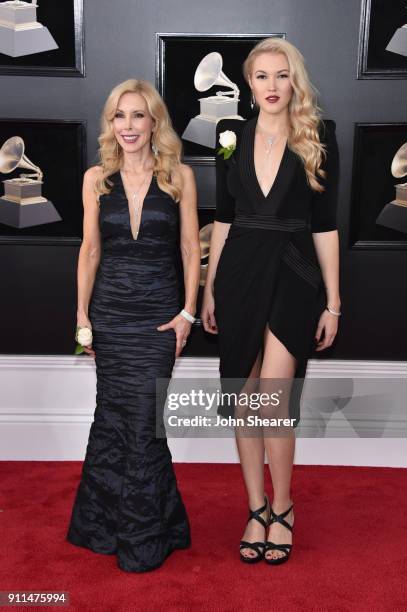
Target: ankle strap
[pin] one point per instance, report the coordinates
(279, 518)
(255, 514)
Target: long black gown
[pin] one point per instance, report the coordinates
(128, 502)
(268, 272)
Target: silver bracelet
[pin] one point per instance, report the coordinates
(187, 316)
(337, 314)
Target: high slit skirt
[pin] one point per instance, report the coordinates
(263, 279)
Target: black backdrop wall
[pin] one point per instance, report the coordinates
(37, 283)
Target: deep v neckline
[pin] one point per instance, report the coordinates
(128, 203)
(263, 196)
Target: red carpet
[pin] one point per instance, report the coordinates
(350, 544)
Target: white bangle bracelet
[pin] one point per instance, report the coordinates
(337, 314)
(187, 316)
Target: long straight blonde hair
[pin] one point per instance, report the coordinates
(304, 113)
(165, 139)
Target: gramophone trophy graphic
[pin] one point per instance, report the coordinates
(22, 204)
(398, 42)
(20, 32)
(202, 128)
(394, 214)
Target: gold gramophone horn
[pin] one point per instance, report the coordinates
(399, 164)
(12, 156)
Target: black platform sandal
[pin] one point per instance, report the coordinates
(285, 548)
(258, 547)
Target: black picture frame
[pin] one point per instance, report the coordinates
(59, 149)
(379, 21)
(373, 185)
(177, 57)
(66, 24)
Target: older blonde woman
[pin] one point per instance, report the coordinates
(139, 205)
(272, 287)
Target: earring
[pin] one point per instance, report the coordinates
(252, 101)
(154, 148)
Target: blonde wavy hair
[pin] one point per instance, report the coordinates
(304, 113)
(164, 137)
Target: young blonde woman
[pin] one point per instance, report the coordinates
(272, 288)
(139, 205)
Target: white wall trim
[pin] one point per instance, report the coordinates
(195, 364)
(47, 404)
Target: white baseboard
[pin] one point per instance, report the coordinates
(47, 405)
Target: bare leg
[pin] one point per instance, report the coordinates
(251, 454)
(278, 362)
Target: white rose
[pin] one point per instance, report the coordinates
(227, 139)
(85, 336)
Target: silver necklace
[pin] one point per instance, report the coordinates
(137, 203)
(269, 141)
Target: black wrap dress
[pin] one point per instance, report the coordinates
(268, 272)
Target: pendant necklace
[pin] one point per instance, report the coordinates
(269, 141)
(137, 205)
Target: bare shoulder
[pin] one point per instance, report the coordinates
(92, 174)
(183, 175)
(186, 172)
(89, 191)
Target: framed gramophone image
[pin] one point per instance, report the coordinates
(200, 78)
(379, 187)
(41, 168)
(42, 37)
(23, 204)
(383, 40)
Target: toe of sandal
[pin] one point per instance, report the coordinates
(257, 547)
(284, 548)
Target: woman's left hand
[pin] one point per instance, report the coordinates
(182, 329)
(328, 323)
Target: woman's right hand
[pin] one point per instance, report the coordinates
(207, 313)
(83, 321)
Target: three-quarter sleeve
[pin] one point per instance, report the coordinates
(325, 203)
(225, 202)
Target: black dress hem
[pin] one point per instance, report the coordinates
(77, 541)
